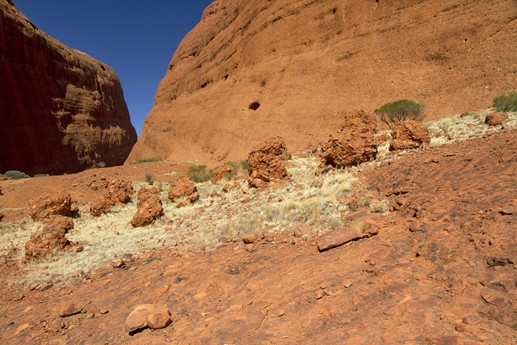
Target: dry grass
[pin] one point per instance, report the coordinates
(308, 200)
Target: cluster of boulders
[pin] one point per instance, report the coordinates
(267, 163)
(154, 316)
(54, 210)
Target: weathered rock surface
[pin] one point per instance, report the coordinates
(301, 63)
(47, 205)
(268, 163)
(409, 134)
(354, 143)
(496, 119)
(149, 207)
(101, 205)
(183, 187)
(338, 237)
(50, 238)
(61, 110)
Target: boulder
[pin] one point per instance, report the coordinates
(149, 208)
(50, 238)
(48, 204)
(496, 119)
(101, 205)
(268, 162)
(223, 172)
(183, 187)
(409, 134)
(62, 111)
(353, 144)
(121, 191)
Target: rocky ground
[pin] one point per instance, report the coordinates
(422, 251)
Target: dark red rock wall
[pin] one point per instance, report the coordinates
(61, 111)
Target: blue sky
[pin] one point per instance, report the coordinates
(136, 38)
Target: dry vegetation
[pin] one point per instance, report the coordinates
(314, 202)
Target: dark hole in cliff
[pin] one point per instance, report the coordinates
(254, 106)
(226, 77)
(263, 83)
(103, 68)
(205, 84)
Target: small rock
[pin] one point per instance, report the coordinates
(249, 238)
(498, 261)
(495, 119)
(159, 317)
(117, 263)
(69, 309)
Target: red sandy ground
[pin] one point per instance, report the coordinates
(440, 271)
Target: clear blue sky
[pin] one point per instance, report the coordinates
(136, 38)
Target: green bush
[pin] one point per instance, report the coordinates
(506, 102)
(148, 160)
(244, 164)
(15, 174)
(401, 110)
(199, 173)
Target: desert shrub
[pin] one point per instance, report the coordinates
(506, 102)
(148, 160)
(244, 164)
(15, 174)
(149, 177)
(199, 173)
(401, 110)
(233, 165)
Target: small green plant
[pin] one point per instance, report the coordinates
(506, 102)
(149, 177)
(404, 109)
(199, 173)
(15, 174)
(232, 164)
(244, 164)
(148, 160)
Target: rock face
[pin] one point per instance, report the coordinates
(268, 163)
(61, 111)
(409, 134)
(256, 69)
(354, 143)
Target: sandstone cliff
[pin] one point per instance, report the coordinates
(61, 111)
(301, 64)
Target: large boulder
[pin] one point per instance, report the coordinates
(149, 207)
(354, 143)
(48, 204)
(268, 163)
(183, 187)
(119, 192)
(49, 238)
(409, 134)
(61, 111)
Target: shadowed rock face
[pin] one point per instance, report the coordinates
(61, 111)
(254, 69)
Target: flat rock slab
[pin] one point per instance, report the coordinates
(339, 237)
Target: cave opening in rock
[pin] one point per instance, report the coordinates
(254, 106)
